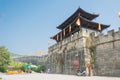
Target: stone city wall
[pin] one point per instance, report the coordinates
(107, 60)
(107, 53)
(68, 49)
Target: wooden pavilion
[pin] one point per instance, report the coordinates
(79, 19)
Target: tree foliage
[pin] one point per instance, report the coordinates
(40, 68)
(4, 58)
(17, 65)
(91, 45)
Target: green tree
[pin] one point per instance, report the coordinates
(17, 65)
(39, 68)
(4, 58)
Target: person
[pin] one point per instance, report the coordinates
(41, 71)
(89, 68)
(48, 71)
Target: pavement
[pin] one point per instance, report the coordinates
(43, 76)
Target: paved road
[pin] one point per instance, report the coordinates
(39, 76)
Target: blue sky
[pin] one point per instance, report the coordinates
(27, 25)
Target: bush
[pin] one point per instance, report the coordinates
(35, 69)
(40, 68)
(4, 58)
(3, 69)
(17, 65)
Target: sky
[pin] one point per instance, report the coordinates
(27, 25)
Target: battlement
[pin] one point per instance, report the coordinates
(110, 36)
(74, 40)
(66, 41)
(100, 38)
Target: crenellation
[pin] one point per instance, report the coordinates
(116, 35)
(64, 42)
(119, 29)
(93, 34)
(80, 34)
(110, 36)
(111, 32)
(117, 44)
(75, 35)
(101, 38)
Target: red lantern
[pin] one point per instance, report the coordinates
(78, 22)
(70, 28)
(99, 27)
(119, 14)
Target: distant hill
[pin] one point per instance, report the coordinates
(36, 60)
(13, 55)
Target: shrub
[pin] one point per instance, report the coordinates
(3, 68)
